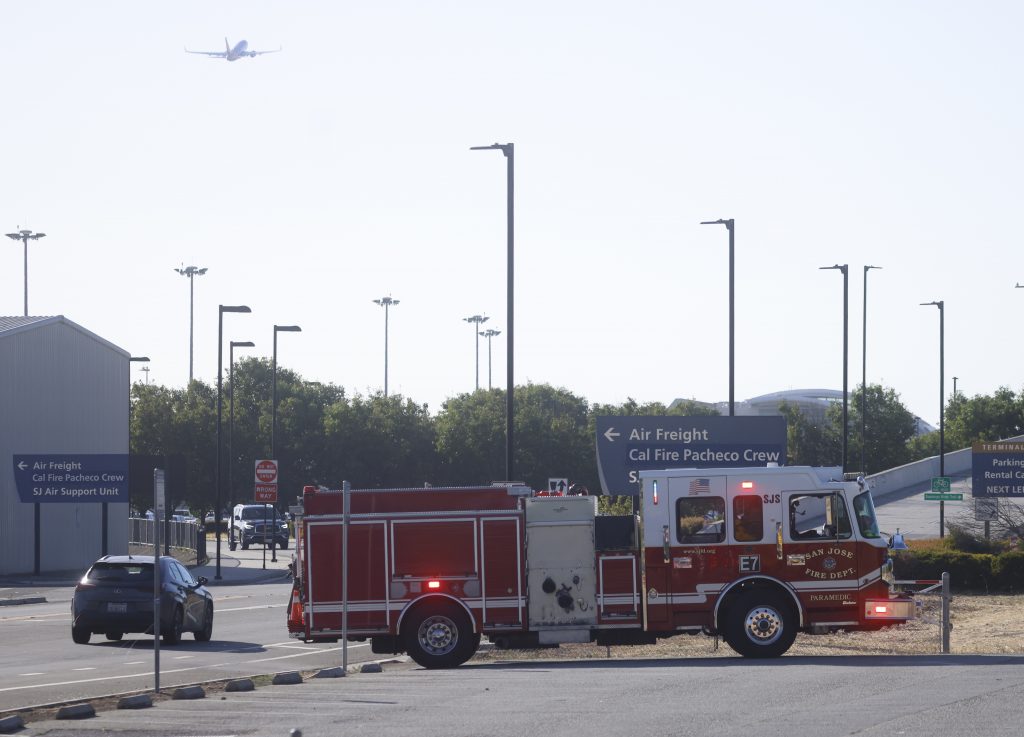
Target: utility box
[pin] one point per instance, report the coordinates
(560, 561)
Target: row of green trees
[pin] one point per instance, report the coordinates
(325, 436)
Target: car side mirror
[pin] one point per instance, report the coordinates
(203, 580)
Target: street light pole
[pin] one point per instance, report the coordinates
(231, 436)
(273, 440)
(954, 386)
(942, 405)
(489, 333)
(508, 150)
(846, 349)
(190, 272)
(386, 303)
(25, 236)
(221, 309)
(864, 377)
(477, 321)
(730, 225)
(106, 523)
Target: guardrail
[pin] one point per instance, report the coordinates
(174, 535)
(942, 587)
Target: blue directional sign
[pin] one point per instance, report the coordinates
(628, 445)
(72, 477)
(997, 469)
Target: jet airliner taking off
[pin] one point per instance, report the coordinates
(230, 53)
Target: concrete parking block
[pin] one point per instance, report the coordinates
(371, 668)
(11, 724)
(287, 679)
(335, 672)
(189, 692)
(138, 701)
(76, 711)
(240, 684)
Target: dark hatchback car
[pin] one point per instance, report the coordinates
(116, 596)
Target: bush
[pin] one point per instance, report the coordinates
(982, 572)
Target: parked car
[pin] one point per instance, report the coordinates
(258, 523)
(115, 596)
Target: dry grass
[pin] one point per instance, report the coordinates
(981, 625)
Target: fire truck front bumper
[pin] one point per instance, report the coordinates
(886, 612)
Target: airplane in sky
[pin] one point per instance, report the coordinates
(230, 53)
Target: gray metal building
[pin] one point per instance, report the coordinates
(63, 389)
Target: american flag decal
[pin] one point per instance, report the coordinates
(700, 486)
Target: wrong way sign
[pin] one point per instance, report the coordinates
(266, 481)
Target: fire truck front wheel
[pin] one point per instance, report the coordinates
(439, 635)
(760, 624)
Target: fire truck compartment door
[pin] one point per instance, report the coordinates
(561, 562)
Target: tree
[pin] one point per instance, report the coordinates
(984, 417)
(808, 443)
(889, 427)
(378, 442)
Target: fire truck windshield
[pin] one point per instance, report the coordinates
(864, 509)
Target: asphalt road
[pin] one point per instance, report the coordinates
(938, 696)
(41, 665)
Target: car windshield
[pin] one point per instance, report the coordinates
(257, 513)
(122, 572)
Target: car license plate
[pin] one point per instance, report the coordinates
(115, 607)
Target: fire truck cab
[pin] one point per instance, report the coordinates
(753, 554)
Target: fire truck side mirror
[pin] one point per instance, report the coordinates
(896, 542)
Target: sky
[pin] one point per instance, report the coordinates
(312, 181)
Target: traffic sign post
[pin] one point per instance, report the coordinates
(558, 486)
(935, 496)
(997, 470)
(266, 492)
(942, 484)
(266, 481)
(628, 445)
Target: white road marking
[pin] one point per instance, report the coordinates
(136, 662)
(167, 672)
(89, 668)
(183, 657)
(41, 673)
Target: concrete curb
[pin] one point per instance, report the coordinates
(240, 684)
(289, 678)
(76, 711)
(25, 600)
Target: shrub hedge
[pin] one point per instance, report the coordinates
(981, 572)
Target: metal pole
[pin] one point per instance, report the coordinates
(346, 507)
(488, 363)
(231, 451)
(509, 151)
(477, 334)
(846, 362)
(730, 224)
(191, 322)
(24, 240)
(220, 371)
(158, 505)
(946, 624)
(273, 404)
(385, 349)
(942, 415)
(864, 378)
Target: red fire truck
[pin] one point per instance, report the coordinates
(752, 554)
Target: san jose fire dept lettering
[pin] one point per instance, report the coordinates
(831, 558)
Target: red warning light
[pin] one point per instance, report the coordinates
(746, 485)
(433, 584)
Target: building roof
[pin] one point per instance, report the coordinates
(12, 325)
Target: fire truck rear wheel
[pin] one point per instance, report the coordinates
(760, 624)
(439, 635)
